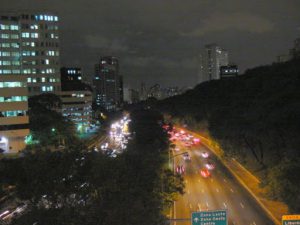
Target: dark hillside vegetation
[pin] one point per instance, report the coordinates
(255, 118)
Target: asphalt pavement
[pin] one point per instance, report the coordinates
(218, 191)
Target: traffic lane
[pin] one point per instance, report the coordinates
(238, 199)
(235, 200)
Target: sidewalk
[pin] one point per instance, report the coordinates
(274, 209)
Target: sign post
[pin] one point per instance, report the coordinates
(216, 217)
(291, 220)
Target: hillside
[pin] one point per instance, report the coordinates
(255, 117)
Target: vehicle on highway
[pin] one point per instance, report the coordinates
(205, 173)
(204, 154)
(209, 165)
(186, 156)
(180, 169)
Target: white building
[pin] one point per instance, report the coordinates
(212, 57)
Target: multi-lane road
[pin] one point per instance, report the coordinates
(218, 191)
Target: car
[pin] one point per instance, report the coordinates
(209, 165)
(205, 173)
(186, 156)
(180, 169)
(204, 154)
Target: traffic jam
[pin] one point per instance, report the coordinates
(185, 143)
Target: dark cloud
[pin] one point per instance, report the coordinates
(158, 41)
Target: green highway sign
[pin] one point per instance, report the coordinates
(217, 217)
(291, 220)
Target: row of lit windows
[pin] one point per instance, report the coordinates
(25, 26)
(9, 27)
(13, 99)
(15, 54)
(10, 45)
(10, 71)
(42, 79)
(13, 113)
(30, 35)
(47, 88)
(12, 84)
(28, 53)
(10, 63)
(72, 71)
(46, 18)
(9, 36)
(27, 71)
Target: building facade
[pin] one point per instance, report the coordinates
(107, 84)
(229, 71)
(76, 98)
(212, 57)
(29, 65)
(32, 50)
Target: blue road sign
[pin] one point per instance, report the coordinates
(217, 217)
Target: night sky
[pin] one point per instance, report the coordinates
(158, 41)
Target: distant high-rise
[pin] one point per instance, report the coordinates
(212, 57)
(107, 84)
(29, 46)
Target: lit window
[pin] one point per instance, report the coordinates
(4, 36)
(25, 35)
(34, 35)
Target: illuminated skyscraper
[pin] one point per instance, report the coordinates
(107, 84)
(33, 50)
(29, 65)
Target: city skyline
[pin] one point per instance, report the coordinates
(159, 42)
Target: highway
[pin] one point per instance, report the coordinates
(218, 191)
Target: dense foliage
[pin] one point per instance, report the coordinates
(255, 118)
(47, 125)
(75, 186)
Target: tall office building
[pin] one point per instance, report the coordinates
(212, 57)
(14, 123)
(107, 84)
(29, 65)
(33, 50)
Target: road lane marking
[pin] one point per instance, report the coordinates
(217, 190)
(199, 206)
(225, 180)
(225, 205)
(190, 206)
(242, 205)
(231, 190)
(254, 223)
(207, 204)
